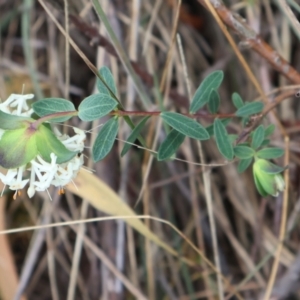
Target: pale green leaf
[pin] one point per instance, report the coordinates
(214, 102)
(269, 130)
(258, 137)
(243, 152)
(170, 145)
(244, 164)
(201, 97)
(223, 140)
(134, 135)
(95, 107)
(270, 153)
(185, 125)
(49, 106)
(237, 100)
(105, 139)
(210, 128)
(9, 122)
(109, 80)
(250, 109)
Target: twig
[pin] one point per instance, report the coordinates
(248, 35)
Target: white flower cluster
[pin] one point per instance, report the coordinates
(42, 173)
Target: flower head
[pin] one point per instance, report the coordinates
(267, 177)
(38, 156)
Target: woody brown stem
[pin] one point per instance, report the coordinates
(253, 40)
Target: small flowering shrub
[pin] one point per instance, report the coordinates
(32, 152)
(36, 154)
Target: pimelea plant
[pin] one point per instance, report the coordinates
(35, 153)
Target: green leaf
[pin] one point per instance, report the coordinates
(265, 142)
(232, 137)
(214, 102)
(109, 80)
(244, 164)
(250, 109)
(210, 128)
(105, 139)
(237, 100)
(95, 107)
(201, 97)
(170, 145)
(243, 152)
(269, 153)
(269, 130)
(49, 106)
(48, 143)
(134, 135)
(258, 137)
(223, 140)
(272, 168)
(9, 122)
(185, 125)
(17, 148)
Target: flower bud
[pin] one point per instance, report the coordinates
(267, 177)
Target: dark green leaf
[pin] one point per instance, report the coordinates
(258, 137)
(244, 164)
(185, 125)
(222, 140)
(134, 135)
(237, 100)
(250, 109)
(201, 97)
(210, 128)
(265, 142)
(49, 106)
(269, 130)
(269, 153)
(105, 139)
(48, 143)
(95, 107)
(243, 152)
(109, 80)
(9, 122)
(214, 101)
(170, 145)
(17, 148)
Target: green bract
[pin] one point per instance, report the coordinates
(267, 177)
(19, 146)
